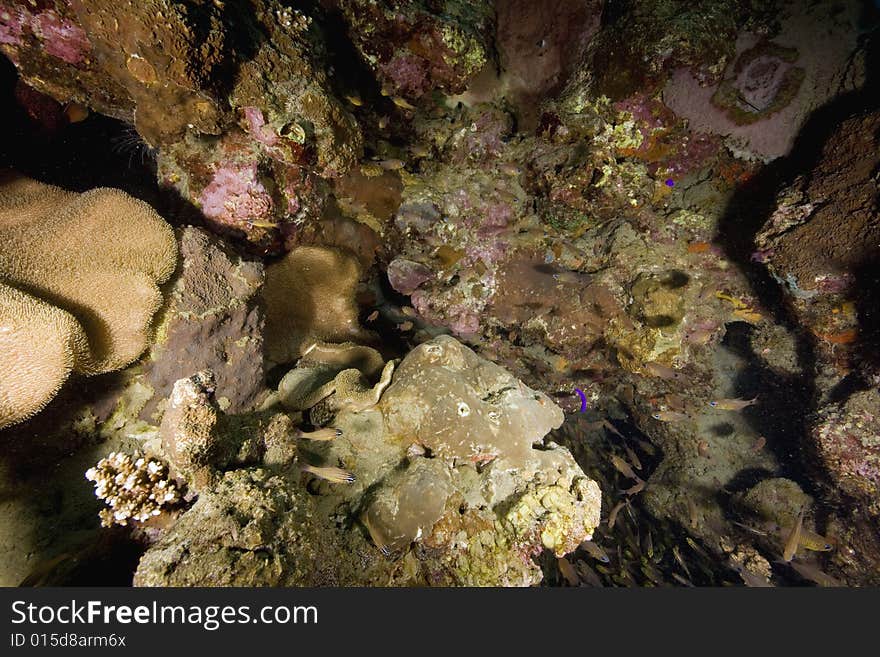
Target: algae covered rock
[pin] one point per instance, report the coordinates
(453, 484)
(212, 321)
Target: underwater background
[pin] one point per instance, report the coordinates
(435, 292)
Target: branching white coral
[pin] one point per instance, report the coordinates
(133, 486)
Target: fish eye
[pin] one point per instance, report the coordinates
(713, 403)
(605, 560)
(656, 416)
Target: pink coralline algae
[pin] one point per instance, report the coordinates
(258, 128)
(407, 72)
(495, 221)
(235, 196)
(42, 109)
(667, 145)
(458, 317)
(406, 276)
(12, 21)
(61, 38)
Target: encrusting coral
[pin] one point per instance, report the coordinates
(133, 486)
(309, 296)
(85, 277)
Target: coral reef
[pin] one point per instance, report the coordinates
(85, 278)
(257, 83)
(768, 89)
(135, 488)
(480, 269)
(443, 474)
(415, 47)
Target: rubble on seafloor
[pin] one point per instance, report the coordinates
(481, 293)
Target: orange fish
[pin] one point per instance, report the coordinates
(698, 247)
(844, 337)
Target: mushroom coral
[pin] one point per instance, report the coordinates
(79, 276)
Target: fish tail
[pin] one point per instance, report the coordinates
(331, 474)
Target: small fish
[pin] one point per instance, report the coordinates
(588, 575)
(794, 537)
(814, 574)
(748, 315)
(373, 316)
(418, 150)
(670, 416)
(383, 122)
(633, 458)
(42, 573)
(662, 371)
(327, 433)
(741, 309)
(392, 164)
(264, 224)
(759, 444)
(623, 467)
(814, 542)
(732, 404)
(750, 529)
(696, 548)
(595, 551)
(649, 545)
(647, 447)
(75, 112)
(692, 512)
(572, 278)
(681, 580)
(612, 517)
(613, 429)
(331, 474)
(677, 554)
(510, 169)
(844, 337)
(568, 571)
(635, 490)
(700, 336)
(402, 103)
(749, 578)
(698, 247)
(355, 100)
(703, 449)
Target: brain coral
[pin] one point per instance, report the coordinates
(97, 258)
